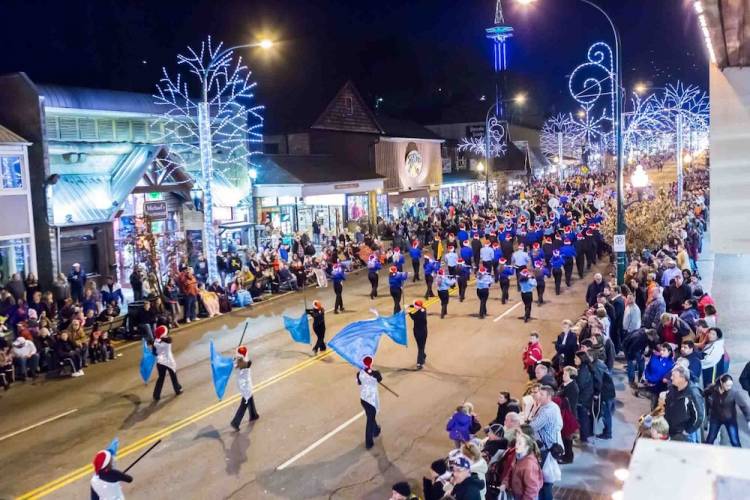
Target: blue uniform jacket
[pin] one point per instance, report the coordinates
(528, 285)
(416, 253)
(338, 276)
(466, 253)
(556, 262)
(484, 281)
(396, 280)
(568, 252)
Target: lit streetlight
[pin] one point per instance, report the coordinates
(520, 99)
(639, 178)
(640, 88)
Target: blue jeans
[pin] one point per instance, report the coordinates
(31, 363)
(546, 492)
(635, 366)
(190, 307)
(713, 431)
(608, 408)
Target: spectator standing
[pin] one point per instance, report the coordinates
(684, 407)
(722, 400)
(189, 286)
(77, 280)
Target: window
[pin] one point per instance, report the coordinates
(10, 172)
(271, 148)
(14, 258)
(348, 106)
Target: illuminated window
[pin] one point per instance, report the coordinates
(10, 172)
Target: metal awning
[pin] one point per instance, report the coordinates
(725, 26)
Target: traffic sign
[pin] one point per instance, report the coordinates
(619, 243)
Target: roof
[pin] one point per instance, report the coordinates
(726, 23)
(394, 127)
(58, 96)
(9, 137)
(309, 169)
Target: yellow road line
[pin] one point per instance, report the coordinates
(81, 472)
(140, 444)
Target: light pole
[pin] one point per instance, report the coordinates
(520, 100)
(617, 130)
(205, 141)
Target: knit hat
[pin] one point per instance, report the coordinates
(461, 462)
(101, 460)
(160, 331)
(402, 489)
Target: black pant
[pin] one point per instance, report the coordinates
(428, 279)
(452, 270)
(339, 304)
(518, 278)
(396, 294)
(483, 294)
(373, 277)
(421, 338)
(580, 264)
(568, 446)
(557, 274)
(372, 429)
(320, 345)
(527, 298)
(461, 288)
(163, 370)
(504, 288)
(540, 286)
(444, 298)
(590, 257)
(244, 405)
(415, 268)
(568, 271)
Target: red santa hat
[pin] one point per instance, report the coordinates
(441, 272)
(460, 260)
(418, 304)
(396, 249)
(535, 246)
(503, 260)
(482, 269)
(450, 247)
(567, 229)
(414, 244)
(525, 272)
(579, 236)
(567, 241)
(242, 351)
(508, 237)
(372, 256)
(589, 232)
(160, 331)
(466, 242)
(393, 269)
(102, 460)
(367, 361)
(317, 304)
(495, 244)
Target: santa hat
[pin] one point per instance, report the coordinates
(539, 263)
(476, 236)
(482, 269)
(367, 361)
(396, 249)
(567, 229)
(441, 272)
(589, 232)
(535, 246)
(495, 244)
(418, 304)
(242, 351)
(503, 260)
(372, 256)
(466, 242)
(567, 241)
(393, 269)
(508, 237)
(579, 236)
(450, 247)
(160, 331)
(102, 460)
(556, 252)
(317, 304)
(415, 244)
(525, 272)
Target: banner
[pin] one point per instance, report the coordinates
(357, 340)
(221, 370)
(395, 327)
(299, 328)
(147, 362)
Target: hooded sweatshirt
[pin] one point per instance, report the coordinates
(469, 489)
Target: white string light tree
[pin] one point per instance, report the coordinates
(219, 126)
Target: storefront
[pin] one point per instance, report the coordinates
(17, 248)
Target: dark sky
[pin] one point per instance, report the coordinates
(421, 56)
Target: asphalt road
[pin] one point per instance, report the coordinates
(309, 441)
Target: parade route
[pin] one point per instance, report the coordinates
(309, 441)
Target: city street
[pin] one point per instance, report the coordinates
(309, 441)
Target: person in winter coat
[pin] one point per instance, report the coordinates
(566, 345)
(688, 352)
(568, 395)
(459, 425)
(245, 386)
(526, 479)
(466, 485)
(105, 483)
(532, 354)
(505, 405)
(585, 383)
(594, 289)
(634, 345)
(631, 320)
(655, 308)
(713, 357)
(434, 486)
(722, 400)
(478, 464)
(67, 351)
(165, 363)
(318, 315)
(684, 407)
(657, 369)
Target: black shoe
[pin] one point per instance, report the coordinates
(368, 446)
(156, 398)
(377, 432)
(604, 436)
(419, 366)
(235, 427)
(178, 391)
(254, 417)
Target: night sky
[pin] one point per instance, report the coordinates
(423, 57)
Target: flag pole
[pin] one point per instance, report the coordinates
(143, 455)
(389, 389)
(243, 333)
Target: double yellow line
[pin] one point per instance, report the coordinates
(84, 471)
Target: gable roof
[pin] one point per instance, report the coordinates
(338, 115)
(9, 137)
(59, 96)
(395, 127)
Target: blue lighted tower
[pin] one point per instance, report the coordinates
(500, 33)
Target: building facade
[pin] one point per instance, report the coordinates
(17, 242)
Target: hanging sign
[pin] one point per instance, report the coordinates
(157, 210)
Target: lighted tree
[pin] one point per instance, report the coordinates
(212, 118)
(559, 133)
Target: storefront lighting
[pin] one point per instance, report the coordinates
(639, 179)
(622, 474)
(687, 158)
(393, 193)
(252, 173)
(480, 167)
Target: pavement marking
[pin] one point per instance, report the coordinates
(506, 312)
(38, 424)
(320, 441)
(82, 472)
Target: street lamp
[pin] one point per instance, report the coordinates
(640, 88)
(639, 179)
(486, 170)
(616, 128)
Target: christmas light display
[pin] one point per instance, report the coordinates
(219, 125)
(498, 140)
(589, 85)
(559, 135)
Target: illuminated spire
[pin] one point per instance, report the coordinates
(499, 19)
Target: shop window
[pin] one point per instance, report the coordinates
(14, 258)
(10, 172)
(357, 206)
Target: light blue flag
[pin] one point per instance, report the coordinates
(299, 328)
(147, 362)
(221, 370)
(395, 327)
(113, 447)
(357, 340)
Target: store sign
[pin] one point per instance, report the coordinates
(350, 185)
(414, 163)
(156, 210)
